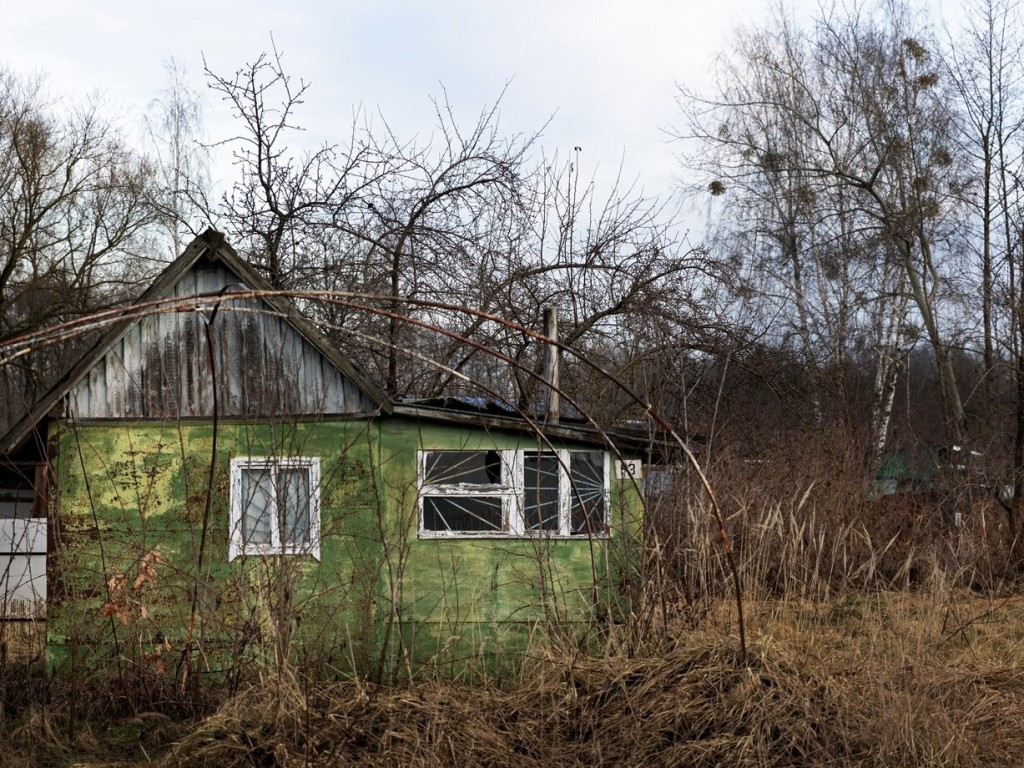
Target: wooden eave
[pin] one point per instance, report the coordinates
(579, 432)
(213, 246)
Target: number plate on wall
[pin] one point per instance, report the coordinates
(629, 468)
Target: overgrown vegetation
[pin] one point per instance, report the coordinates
(866, 174)
(844, 668)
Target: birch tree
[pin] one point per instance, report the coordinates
(174, 130)
(984, 65)
(862, 96)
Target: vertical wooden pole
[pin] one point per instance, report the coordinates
(551, 364)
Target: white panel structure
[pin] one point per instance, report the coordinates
(22, 556)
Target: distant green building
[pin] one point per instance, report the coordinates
(927, 469)
(220, 488)
(908, 471)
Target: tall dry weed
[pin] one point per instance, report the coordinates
(808, 694)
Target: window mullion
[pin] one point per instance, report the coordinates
(275, 518)
(512, 461)
(607, 486)
(564, 495)
(235, 546)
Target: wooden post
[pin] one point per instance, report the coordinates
(551, 363)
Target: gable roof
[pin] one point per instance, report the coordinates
(210, 245)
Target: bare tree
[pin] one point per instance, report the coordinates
(613, 264)
(74, 204)
(466, 218)
(985, 67)
(282, 199)
(841, 140)
(439, 224)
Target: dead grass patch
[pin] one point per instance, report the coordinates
(898, 691)
(886, 679)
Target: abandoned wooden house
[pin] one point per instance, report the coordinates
(214, 480)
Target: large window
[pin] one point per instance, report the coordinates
(275, 507)
(499, 493)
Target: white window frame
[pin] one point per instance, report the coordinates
(503, 490)
(237, 547)
(511, 490)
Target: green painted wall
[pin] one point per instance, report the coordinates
(128, 529)
(463, 598)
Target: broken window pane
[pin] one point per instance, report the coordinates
(463, 467)
(557, 492)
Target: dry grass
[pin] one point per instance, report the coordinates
(890, 679)
(867, 648)
(821, 546)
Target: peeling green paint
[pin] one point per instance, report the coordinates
(379, 597)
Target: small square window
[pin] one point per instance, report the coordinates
(275, 507)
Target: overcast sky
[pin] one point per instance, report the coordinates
(604, 71)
